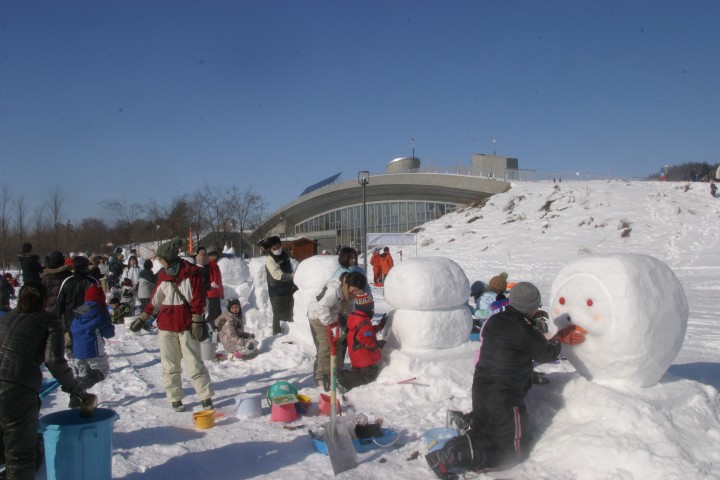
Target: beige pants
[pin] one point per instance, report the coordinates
(322, 344)
(174, 347)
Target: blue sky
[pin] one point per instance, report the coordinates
(152, 99)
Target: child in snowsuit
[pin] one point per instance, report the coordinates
(118, 311)
(494, 291)
(235, 340)
(90, 327)
(127, 295)
(363, 347)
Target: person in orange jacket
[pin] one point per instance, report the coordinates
(386, 263)
(377, 269)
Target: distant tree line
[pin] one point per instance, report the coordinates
(220, 211)
(690, 171)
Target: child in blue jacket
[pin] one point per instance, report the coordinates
(90, 327)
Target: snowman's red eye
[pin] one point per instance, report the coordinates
(589, 302)
(561, 301)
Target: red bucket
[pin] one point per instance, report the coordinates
(325, 404)
(283, 413)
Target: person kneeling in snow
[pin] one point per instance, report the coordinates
(496, 433)
(235, 340)
(363, 347)
(90, 327)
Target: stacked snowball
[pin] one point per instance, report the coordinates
(429, 295)
(311, 276)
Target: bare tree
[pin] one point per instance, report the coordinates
(214, 205)
(91, 234)
(246, 208)
(20, 215)
(126, 215)
(5, 197)
(55, 204)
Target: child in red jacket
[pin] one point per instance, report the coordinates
(363, 345)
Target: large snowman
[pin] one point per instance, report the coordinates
(633, 310)
(429, 295)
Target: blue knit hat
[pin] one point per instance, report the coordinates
(364, 303)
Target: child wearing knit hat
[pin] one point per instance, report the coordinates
(236, 341)
(90, 327)
(494, 291)
(363, 345)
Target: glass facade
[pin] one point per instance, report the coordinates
(386, 217)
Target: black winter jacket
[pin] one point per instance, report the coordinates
(53, 279)
(27, 340)
(509, 345)
(30, 267)
(6, 291)
(72, 295)
(284, 287)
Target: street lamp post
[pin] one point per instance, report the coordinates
(364, 179)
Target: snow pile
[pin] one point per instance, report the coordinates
(635, 313)
(430, 299)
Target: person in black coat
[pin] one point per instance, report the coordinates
(497, 436)
(29, 337)
(29, 264)
(115, 268)
(279, 272)
(6, 292)
(55, 273)
(72, 295)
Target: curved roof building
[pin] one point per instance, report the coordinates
(397, 201)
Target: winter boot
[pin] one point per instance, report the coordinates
(458, 420)
(178, 406)
(456, 453)
(207, 404)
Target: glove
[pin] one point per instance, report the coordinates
(139, 322)
(571, 335)
(539, 321)
(383, 321)
(199, 331)
(214, 285)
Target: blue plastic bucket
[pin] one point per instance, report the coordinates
(78, 448)
(435, 438)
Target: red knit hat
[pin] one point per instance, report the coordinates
(95, 293)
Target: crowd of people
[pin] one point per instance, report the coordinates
(67, 308)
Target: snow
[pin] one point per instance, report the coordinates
(635, 313)
(584, 429)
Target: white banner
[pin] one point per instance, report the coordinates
(375, 239)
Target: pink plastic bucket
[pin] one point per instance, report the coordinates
(283, 413)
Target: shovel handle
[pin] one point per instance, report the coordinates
(333, 338)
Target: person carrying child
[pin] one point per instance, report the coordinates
(90, 327)
(363, 345)
(231, 332)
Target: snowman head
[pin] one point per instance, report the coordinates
(633, 309)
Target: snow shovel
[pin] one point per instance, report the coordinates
(338, 438)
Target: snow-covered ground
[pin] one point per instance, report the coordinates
(584, 430)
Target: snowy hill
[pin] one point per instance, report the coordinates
(583, 430)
